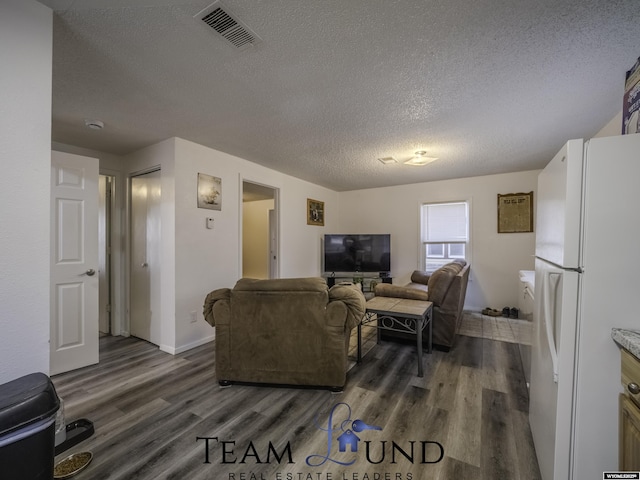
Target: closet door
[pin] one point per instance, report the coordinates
(145, 257)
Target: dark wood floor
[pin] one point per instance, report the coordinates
(149, 408)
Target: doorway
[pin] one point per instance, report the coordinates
(260, 257)
(145, 229)
(106, 185)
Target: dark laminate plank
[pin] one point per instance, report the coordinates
(494, 361)
(527, 460)
(499, 457)
(444, 381)
(115, 366)
(468, 351)
(465, 421)
(148, 407)
(404, 420)
(120, 394)
(112, 440)
(453, 469)
(430, 363)
(174, 378)
(138, 443)
(188, 454)
(185, 455)
(514, 374)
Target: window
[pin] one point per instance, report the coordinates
(445, 233)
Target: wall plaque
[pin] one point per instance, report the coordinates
(515, 212)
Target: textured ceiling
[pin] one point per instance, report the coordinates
(488, 86)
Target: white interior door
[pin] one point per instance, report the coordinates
(74, 261)
(145, 257)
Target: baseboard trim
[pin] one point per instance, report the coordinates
(189, 346)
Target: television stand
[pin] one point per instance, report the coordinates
(368, 283)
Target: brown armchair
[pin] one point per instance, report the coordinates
(446, 288)
(287, 331)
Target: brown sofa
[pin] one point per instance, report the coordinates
(287, 331)
(446, 288)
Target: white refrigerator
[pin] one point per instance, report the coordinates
(587, 274)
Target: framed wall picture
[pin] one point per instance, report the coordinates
(515, 212)
(209, 192)
(315, 212)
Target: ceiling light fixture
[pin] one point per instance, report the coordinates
(94, 124)
(420, 159)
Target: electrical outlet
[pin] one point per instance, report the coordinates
(193, 316)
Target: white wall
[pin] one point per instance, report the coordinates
(196, 260)
(108, 161)
(495, 258)
(613, 128)
(255, 238)
(25, 154)
(210, 259)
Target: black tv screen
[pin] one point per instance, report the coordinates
(357, 253)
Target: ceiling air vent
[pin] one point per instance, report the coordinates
(219, 18)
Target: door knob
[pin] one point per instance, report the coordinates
(91, 272)
(144, 265)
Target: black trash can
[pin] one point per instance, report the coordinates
(28, 407)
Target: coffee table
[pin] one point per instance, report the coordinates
(399, 315)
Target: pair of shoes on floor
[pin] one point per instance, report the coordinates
(510, 312)
(491, 312)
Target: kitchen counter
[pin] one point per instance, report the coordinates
(628, 339)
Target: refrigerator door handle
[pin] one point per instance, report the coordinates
(550, 285)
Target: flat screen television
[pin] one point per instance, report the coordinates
(366, 253)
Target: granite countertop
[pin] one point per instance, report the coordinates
(628, 339)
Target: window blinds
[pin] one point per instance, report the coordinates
(444, 222)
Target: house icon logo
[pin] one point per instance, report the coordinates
(348, 439)
(341, 426)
